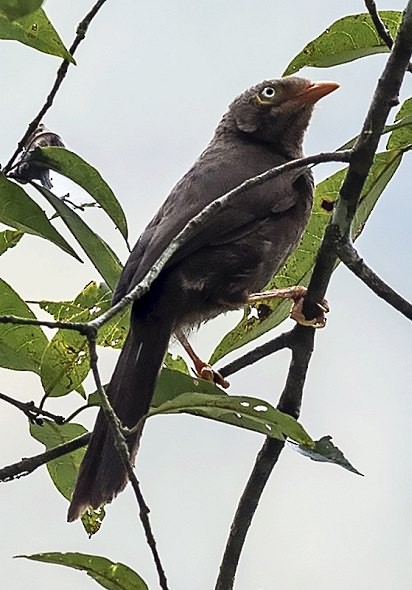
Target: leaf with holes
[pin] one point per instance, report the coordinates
(176, 362)
(65, 363)
(63, 470)
(245, 412)
(98, 252)
(347, 39)
(19, 210)
(9, 239)
(110, 575)
(74, 167)
(34, 30)
(21, 347)
(299, 266)
(325, 451)
(90, 303)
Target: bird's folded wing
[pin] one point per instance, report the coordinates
(190, 196)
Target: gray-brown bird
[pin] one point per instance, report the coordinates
(233, 255)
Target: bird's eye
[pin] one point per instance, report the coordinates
(268, 92)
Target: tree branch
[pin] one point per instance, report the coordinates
(380, 26)
(29, 409)
(123, 450)
(279, 343)
(61, 73)
(384, 99)
(301, 341)
(350, 257)
(27, 466)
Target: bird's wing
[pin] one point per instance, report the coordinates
(209, 179)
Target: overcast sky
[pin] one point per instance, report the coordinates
(152, 81)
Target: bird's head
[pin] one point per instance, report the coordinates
(277, 111)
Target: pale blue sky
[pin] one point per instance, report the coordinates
(151, 84)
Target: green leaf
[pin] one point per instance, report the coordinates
(170, 384)
(21, 347)
(299, 266)
(65, 363)
(74, 167)
(326, 452)
(18, 210)
(63, 470)
(110, 575)
(9, 239)
(347, 39)
(401, 138)
(35, 30)
(176, 362)
(17, 8)
(245, 412)
(98, 252)
(91, 302)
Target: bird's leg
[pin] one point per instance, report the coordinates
(202, 369)
(297, 294)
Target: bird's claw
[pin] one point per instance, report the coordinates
(297, 314)
(206, 372)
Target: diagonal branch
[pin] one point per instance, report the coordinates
(61, 74)
(380, 26)
(123, 450)
(301, 342)
(90, 328)
(385, 97)
(350, 257)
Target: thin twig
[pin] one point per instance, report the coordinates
(85, 328)
(380, 26)
(123, 450)
(279, 343)
(33, 413)
(384, 98)
(144, 518)
(28, 465)
(350, 257)
(301, 341)
(61, 73)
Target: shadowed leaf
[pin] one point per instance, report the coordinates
(21, 347)
(347, 39)
(110, 575)
(35, 30)
(326, 452)
(19, 210)
(298, 268)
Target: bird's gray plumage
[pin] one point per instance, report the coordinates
(232, 255)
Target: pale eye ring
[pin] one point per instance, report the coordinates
(268, 92)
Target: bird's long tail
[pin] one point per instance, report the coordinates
(102, 474)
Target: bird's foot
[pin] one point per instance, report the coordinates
(205, 371)
(202, 369)
(297, 295)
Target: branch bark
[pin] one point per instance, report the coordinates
(385, 97)
(350, 257)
